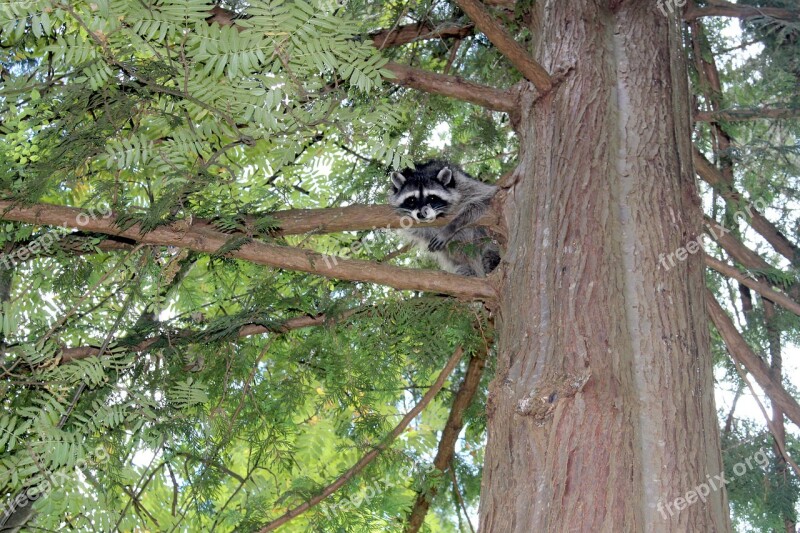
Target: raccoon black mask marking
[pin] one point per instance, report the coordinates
(437, 189)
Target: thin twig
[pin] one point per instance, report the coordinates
(770, 425)
(459, 497)
(372, 454)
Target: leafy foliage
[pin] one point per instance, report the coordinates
(172, 417)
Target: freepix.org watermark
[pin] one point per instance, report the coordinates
(701, 491)
(367, 493)
(667, 261)
(333, 260)
(663, 5)
(52, 482)
(45, 243)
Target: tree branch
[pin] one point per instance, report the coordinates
(384, 38)
(410, 33)
(447, 444)
(720, 8)
(454, 87)
(336, 219)
(495, 99)
(757, 221)
(776, 434)
(506, 44)
(204, 239)
(744, 255)
(358, 217)
(211, 463)
(744, 355)
(372, 454)
(738, 251)
(759, 286)
(69, 355)
(732, 115)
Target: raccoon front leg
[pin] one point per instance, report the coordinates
(471, 213)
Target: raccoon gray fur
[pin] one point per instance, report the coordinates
(438, 188)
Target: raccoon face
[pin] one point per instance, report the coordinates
(423, 195)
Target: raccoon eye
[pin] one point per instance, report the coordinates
(436, 202)
(409, 203)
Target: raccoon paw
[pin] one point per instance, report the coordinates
(438, 242)
(465, 270)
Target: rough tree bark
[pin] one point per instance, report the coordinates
(602, 413)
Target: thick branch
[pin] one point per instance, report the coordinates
(506, 44)
(720, 8)
(759, 286)
(744, 255)
(460, 89)
(358, 217)
(350, 218)
(416, 32)
(732, 115)
(738, 251)
(372, 454)
(744, 355)
(764, 227)
(206, 240)
(446, 451)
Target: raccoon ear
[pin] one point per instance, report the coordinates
(445, 176)
(397, 180)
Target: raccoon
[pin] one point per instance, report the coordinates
(438, 188)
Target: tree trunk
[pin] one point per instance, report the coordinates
(602, 414)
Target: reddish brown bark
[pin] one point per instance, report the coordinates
(204, 239)
(414, 32)
(454, 87)
(759, 286)
(602, 410)
(733, 115)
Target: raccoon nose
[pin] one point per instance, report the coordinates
(427, 213)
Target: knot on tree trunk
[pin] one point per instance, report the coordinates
(542, 401)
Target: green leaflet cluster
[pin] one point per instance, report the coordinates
(157, 91)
